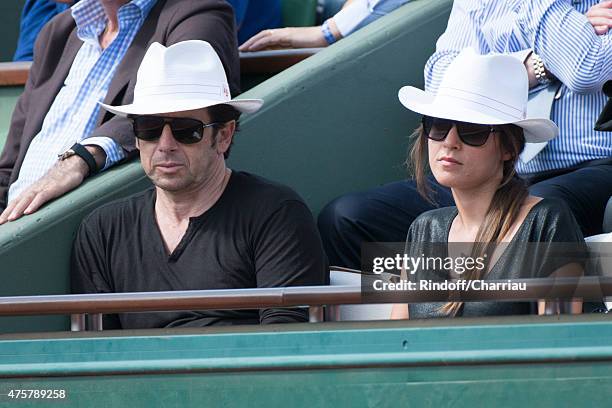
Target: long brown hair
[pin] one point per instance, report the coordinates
(505, 205)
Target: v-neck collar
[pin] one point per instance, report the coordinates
(509, 244)
(195, 223)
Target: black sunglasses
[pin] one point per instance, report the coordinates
(471, 134)
(184, 130)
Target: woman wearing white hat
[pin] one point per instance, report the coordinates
(472, 133)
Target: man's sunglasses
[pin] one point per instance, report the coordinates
(184, 130)
(471, 134)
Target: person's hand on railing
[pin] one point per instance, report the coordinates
(288, 37)
(63, 177)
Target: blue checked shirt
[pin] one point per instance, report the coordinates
(74, 112)
(559, 32)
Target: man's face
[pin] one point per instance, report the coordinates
(177, 167)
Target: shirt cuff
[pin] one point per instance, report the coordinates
(350, 16)
(114, 152)
(521, 55)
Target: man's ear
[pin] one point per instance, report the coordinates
(137, 143)
(225, 135)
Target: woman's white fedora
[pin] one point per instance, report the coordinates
(185, 76)
(483, 89)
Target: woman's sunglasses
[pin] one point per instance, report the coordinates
(471, 134)
(184, 130)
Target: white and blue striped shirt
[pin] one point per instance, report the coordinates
(360, 13)
(559, 32)
(74, 112)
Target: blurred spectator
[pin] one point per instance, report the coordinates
(354, 15)
(252, 16)
(35, 14)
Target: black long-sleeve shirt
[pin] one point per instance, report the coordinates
(258, 234)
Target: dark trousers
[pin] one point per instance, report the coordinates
(384, 214)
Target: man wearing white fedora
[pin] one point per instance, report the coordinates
(202, 226)
(566, 74)
(58, 134)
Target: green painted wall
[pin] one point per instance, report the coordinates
(10, 13)
(509, 362)
(8, 98)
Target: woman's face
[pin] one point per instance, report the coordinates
(457, 165)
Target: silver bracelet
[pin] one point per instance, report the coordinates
(539, 70)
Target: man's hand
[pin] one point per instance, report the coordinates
(63, 177)
(289, 37)
(600, 16)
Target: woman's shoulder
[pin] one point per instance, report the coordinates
(432, 224)
(444, 213)
(550, 210)
(553, 219)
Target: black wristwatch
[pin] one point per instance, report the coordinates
(83, 153)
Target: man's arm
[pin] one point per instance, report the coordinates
(288, 252)
(18, 120)
(13, 142)
(64, 176)
(461, 32)
(568, 43)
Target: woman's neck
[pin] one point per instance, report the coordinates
(472, 206)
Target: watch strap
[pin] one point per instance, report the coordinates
(84, 154)
(540, 70)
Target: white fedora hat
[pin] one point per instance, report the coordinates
(185, 76)
(483, 89)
